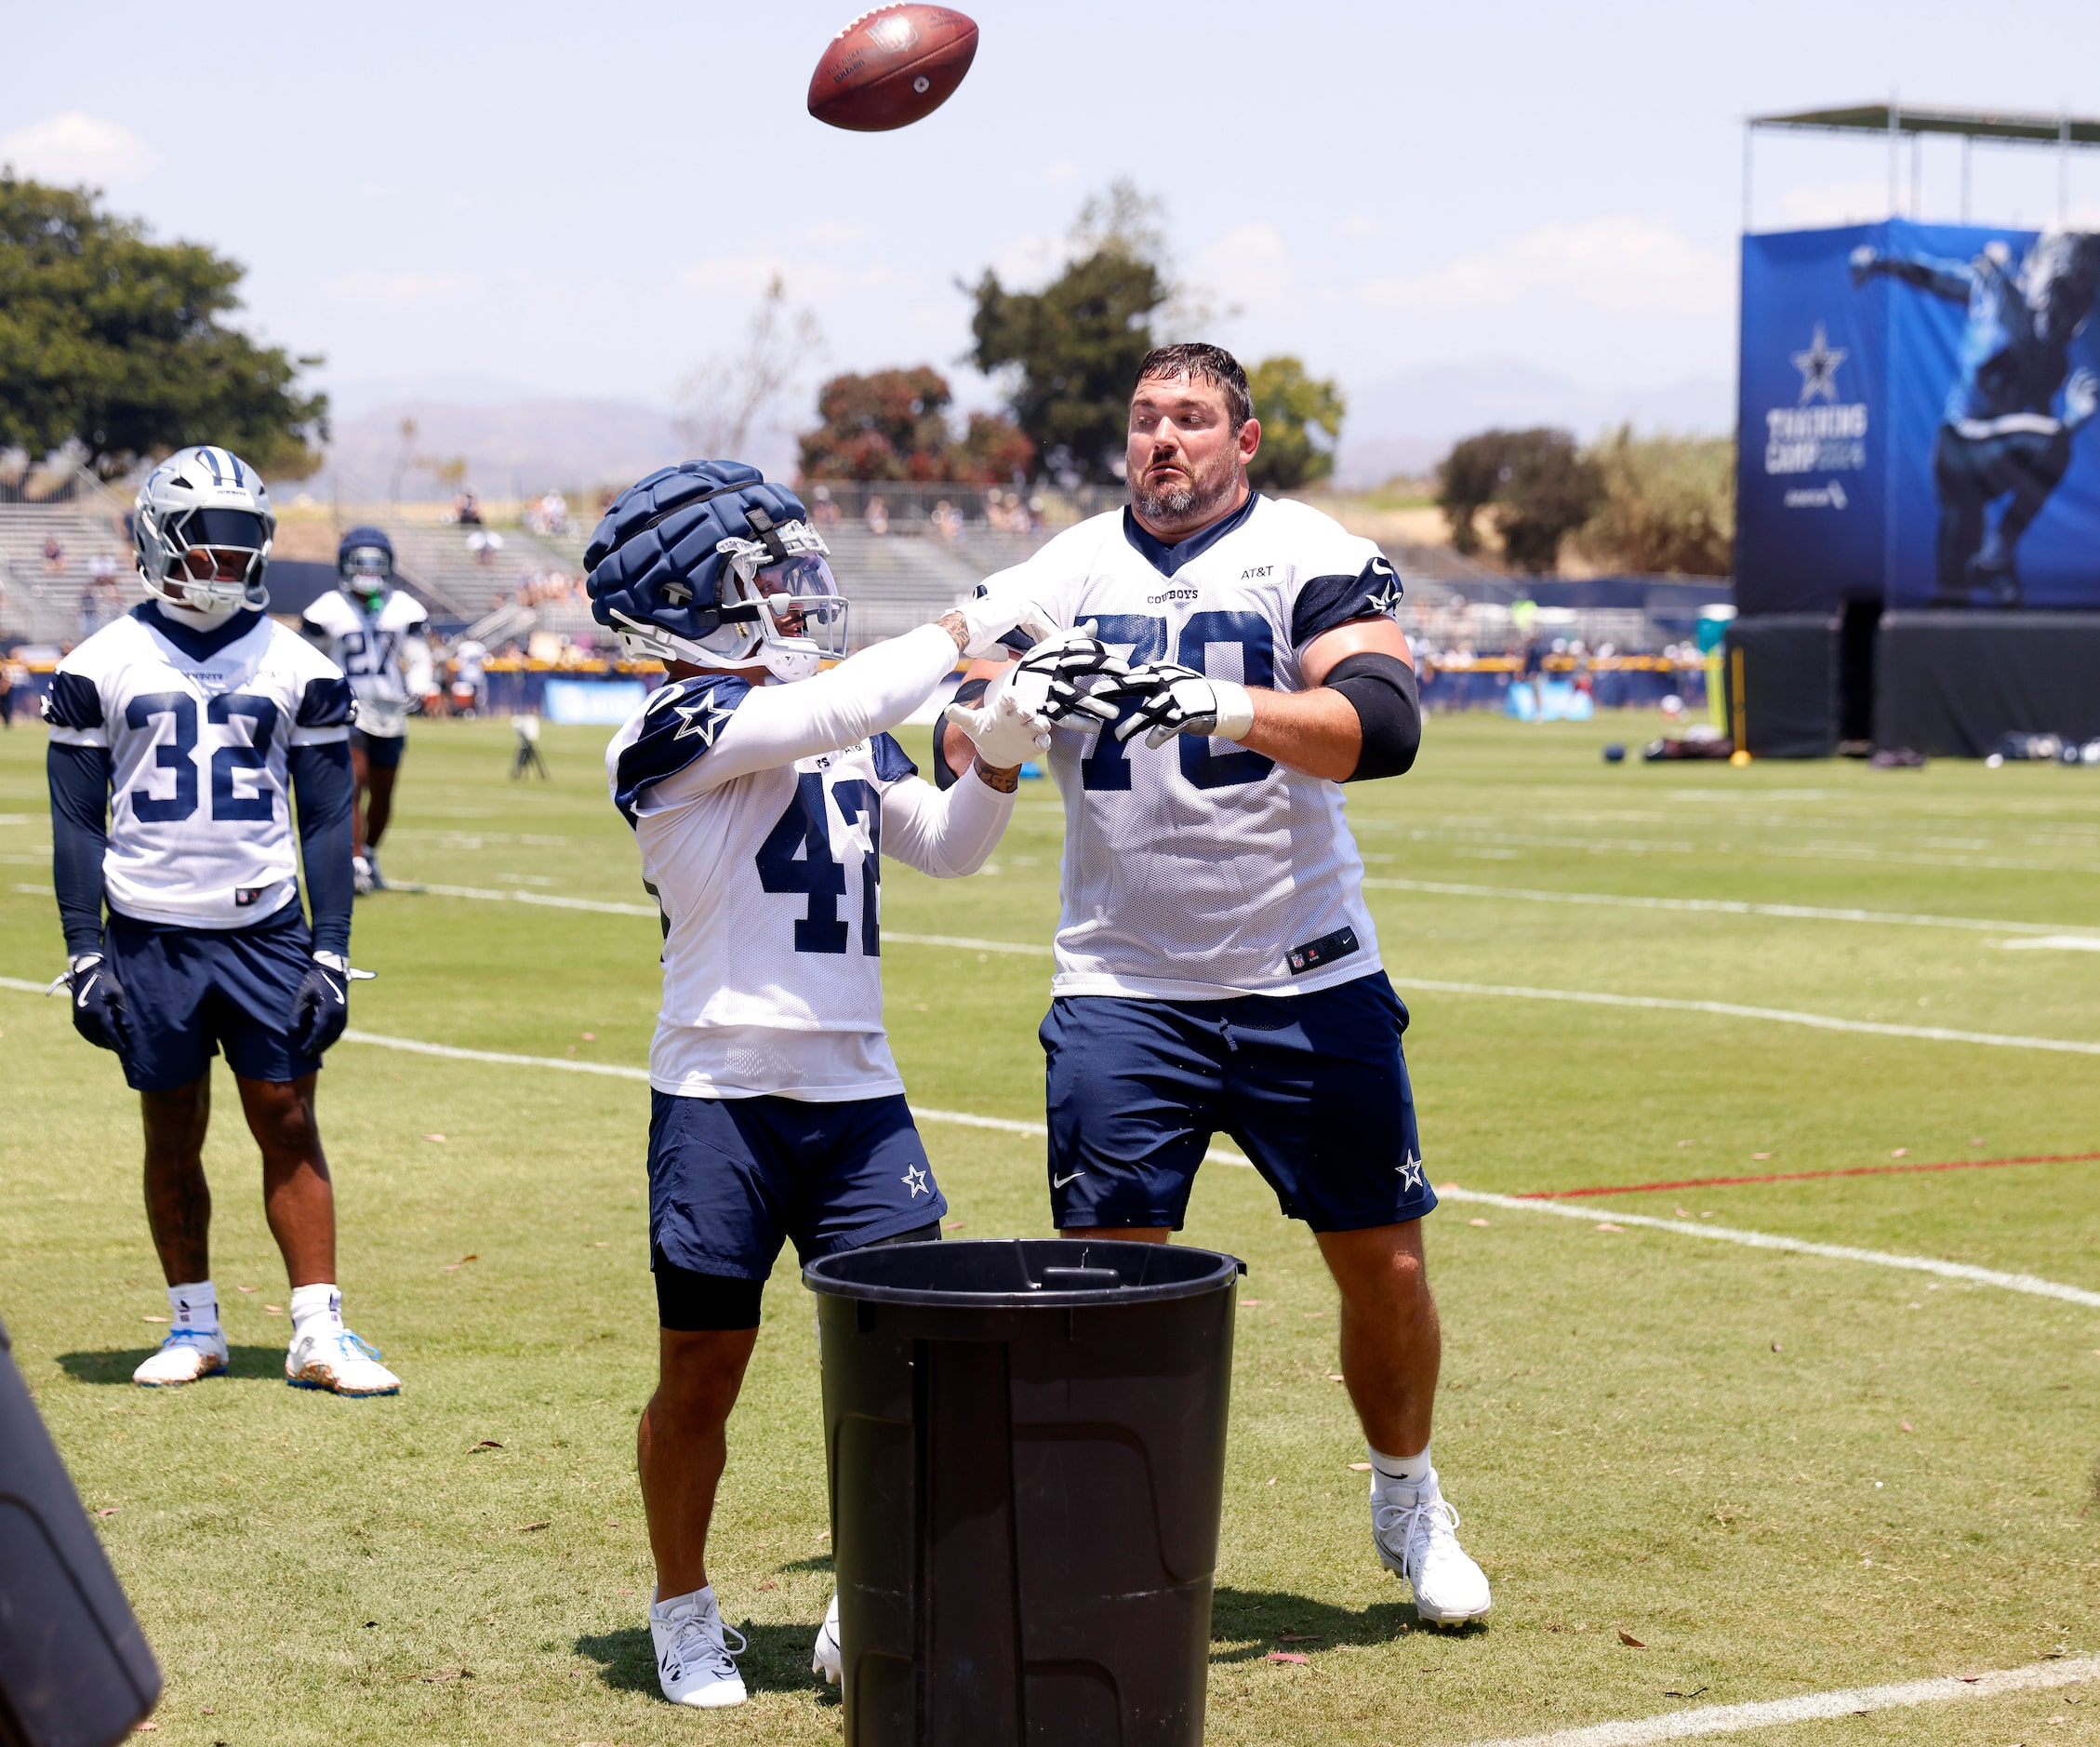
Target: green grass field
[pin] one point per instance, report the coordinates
(1782, 1473)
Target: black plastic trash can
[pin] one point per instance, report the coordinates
(1027, 1454)
(74, 1669)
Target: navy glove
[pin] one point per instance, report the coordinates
(98, 1011)
(321, 1009)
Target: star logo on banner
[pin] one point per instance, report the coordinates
(1818, 367)
(1411, 1173)
(915, 1180)
(704, 718)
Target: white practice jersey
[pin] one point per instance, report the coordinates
(198, 727)
(762, 814)
(370, 649)
(1203, 870)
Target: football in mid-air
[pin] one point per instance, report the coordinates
(892, 67)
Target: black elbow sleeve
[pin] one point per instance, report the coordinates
(1388, 700)
(969, 691)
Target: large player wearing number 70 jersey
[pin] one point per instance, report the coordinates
(763, 795)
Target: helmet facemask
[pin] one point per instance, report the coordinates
(211, 560)
(785, 603)
(363, 574)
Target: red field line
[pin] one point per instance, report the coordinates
(1795, 1177)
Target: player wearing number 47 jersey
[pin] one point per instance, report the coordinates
(181, 736)
(763, 795)
(1217, 969)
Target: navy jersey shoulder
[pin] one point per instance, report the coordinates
(326, 703)
(892, 764)
(680, 723)
(74, 703)
(1324, 601)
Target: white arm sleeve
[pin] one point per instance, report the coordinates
(416, 665)
(776, 724)
(946, 833)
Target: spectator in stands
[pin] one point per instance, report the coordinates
(823, 510)
(466, 508)
(9, 667)
(53, 555)
(878, 516)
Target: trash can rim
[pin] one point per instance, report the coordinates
(1225, 1271)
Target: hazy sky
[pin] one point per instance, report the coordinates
(587, 200)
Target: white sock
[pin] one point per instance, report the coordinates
(703, 1600)
(312, 1303)
(1400, 1474)
(195, 1307)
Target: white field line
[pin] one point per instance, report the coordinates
(1767, 1240)
(2059, 942)
(1775, 1015)
(1727, 907)
(25, 988)
(1809, 1707)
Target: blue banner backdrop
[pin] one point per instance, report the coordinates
(1915, 400)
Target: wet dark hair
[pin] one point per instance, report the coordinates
(1200, 363)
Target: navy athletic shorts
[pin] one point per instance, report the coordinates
(189, 991)
(733, 1178)
(381, 751)
(1312, 1086)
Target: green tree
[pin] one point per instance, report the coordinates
(1537, 486)
(1301, 421)
(118, 343)
(1073, 349)
(893, 424)
(1670, 505)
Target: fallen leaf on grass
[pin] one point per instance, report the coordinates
(145, 1728)
(438, 1138)
(243, 1289)
(1901, 1151)
(954, 1225)
(1630, 1642)
(764, 1587)
(109, 1510)
(1476, 1222)
(153, 1319)
(1287, 1656)
(1684, 1213)
(1263, 1300)
(1361, 1468)
(272, 1309)
(589, 1037)
(1605, 1225)
(486, 1443)
(1776, 1347)
(527, 1528)
(454, 1267)
(1271, 1481)
(1671, 1692)
(1906, 1426)
(1761, 1155)
(1333, 1376)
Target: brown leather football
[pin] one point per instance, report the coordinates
(892, 67)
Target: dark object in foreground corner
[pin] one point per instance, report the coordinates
(1027, 1445)
(1614, 754)
(74, 1669)
(1691, 745)
(1896, 758)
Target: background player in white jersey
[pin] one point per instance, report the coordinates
(763, 794)
(375, 633)
(1215, 966)
(180, 736)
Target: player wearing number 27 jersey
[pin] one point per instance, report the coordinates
(763, 794)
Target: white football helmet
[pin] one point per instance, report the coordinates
(203, 528)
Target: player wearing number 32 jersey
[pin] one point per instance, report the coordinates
(182, 737)
(763, 794)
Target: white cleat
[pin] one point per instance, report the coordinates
(185, 1356)
(362, 878)
(1417, 1538)
(332, 1358)
(693, 1664)
(828, 1659)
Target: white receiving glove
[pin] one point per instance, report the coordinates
(1001, 726)
(1047, 682)
(988, 618)
(1176, 700)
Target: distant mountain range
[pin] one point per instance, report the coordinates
(515, 440)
